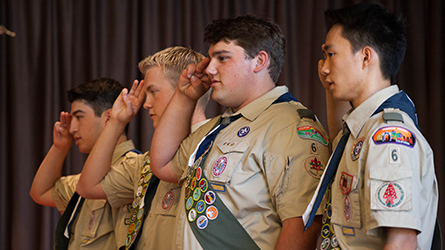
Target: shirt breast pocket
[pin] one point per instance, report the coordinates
(390, 188)
(347, 200)
(223, 166)
(91, 228)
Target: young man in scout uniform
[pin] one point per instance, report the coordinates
(384, 194)
(97, 225)
(248, 186)
(121, 184)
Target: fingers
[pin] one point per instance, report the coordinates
(134, 87)
(140, 93)
(201, 67)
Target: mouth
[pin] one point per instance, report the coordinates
(152, 116)
(214, 83)
(76, 138)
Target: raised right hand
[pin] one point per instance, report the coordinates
(194, 82)
(62, 138)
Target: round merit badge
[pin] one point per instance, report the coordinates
(390, 195)
(212, 212)
(314, 166)
(325, 243)
(203, 185)
(210, 197)
(202, 222)
(196, 194)
(198, 173)
(200, 206)
(167, 201)
(357, 148)
(192, 215)
(189, 203)
(220, 166)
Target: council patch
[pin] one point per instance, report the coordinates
(395, 135)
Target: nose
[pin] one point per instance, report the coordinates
(324, 67)
(148, 104)
(211, 69)
(73, 126)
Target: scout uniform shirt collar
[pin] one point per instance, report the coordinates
(121, 149)
(259, 105)
(357, 117)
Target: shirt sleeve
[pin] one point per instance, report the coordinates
(63, 190)
(119, 183)
(294, 165)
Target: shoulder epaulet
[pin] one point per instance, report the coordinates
(306, 113)
(392, 116)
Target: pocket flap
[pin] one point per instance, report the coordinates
(390, 173)
(229, 147)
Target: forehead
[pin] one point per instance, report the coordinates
(335, 39)
(81, 106)
(155, 77)
(223, 46)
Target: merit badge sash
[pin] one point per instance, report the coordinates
(145, 192)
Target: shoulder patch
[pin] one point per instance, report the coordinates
(306, 113)
(311, 133)
(395, 135)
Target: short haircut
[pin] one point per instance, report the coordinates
(99, 94)
(372, 25)
(253, 35)
(173, 61)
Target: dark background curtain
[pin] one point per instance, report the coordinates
(62, 43)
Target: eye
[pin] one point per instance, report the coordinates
(222, 58)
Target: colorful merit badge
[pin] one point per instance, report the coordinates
(309, 132)
(219, 167)
(357, 148)
(243, 131)
(167, 201)
(314, 166)
(397, 135)
(390, 195)
(346, 183)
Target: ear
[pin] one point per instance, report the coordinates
(262, 60)
(107, 115)
(367, 56)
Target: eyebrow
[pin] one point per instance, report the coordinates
(77, 111)
(219, 52)
(327, 47)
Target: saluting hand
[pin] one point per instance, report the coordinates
(62, 138)
(127, 104)
(194, 82)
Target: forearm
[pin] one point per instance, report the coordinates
(98, 162)
(293, 237)
(400, 238)
(173, 127)
(48, 173)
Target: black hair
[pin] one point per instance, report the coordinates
(368, 24)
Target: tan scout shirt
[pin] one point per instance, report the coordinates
(121, 184)
(98, 225)
(272, 167)
(380, 185)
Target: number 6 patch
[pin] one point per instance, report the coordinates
(394, 155)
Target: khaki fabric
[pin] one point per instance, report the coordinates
(98, 225)
(265, 180)
(121, 184)
(363, 201)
